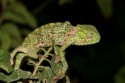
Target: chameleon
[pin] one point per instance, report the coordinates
(62, 34)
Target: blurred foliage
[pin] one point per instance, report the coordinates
(63, 2)
(13, 14)
(5, 61)
(120, 76)
(106, 6)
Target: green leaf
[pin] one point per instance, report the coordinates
(14, 33)
(5, 61)
(3, 3)
(12, 16)
(63, 2)
(25, 31)
(18, 74)
(46, 74)
(106, 7)
(26, 15)
(5, 40)
(3, 77)
(16, 41)
(15, 76)
(120, 76)
(12, 29)
(12, 1)
(18, 13)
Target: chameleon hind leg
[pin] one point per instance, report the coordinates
(19, 59)
(20, 52)
(32, 53)
(18, 49)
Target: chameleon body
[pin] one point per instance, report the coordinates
(61, 33)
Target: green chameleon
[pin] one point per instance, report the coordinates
(61, 33)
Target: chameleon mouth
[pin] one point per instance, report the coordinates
(92, 40)
(88, 40)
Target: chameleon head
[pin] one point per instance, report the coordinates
(86, 34)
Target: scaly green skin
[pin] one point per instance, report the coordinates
(61, 33)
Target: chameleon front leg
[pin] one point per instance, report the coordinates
(64, 47)
(20, 56)
(20, 53)
(61, 58)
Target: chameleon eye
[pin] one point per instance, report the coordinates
(91, 33)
